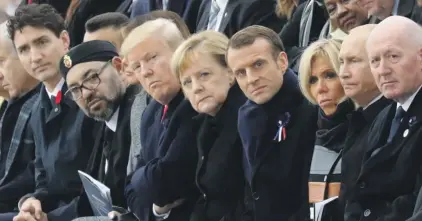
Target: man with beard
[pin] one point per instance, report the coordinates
(91, 70)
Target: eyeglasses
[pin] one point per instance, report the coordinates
(90, 83)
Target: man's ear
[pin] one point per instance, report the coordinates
(64, 36)
(282, 61)
(117, 63)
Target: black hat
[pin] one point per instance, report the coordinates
(95, 50)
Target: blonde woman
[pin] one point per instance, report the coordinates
(199, 64)
(320, 84)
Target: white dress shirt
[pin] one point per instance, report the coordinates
(408, 102)
(222, 4)
(56, 90)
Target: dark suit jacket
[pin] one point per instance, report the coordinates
(385, 187)
(118, 144)
(86, 10)
(115, 149)
(168, 168)
(63, 143)
(18, 178)
(241, 14)
(187, 9)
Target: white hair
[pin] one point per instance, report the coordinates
(160, 27)
(5, 40)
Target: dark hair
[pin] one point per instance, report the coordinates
(107, 20)
(174, 17)
(247, 36)
(37, 16)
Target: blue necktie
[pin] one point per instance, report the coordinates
(396, 123)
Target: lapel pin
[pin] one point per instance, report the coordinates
(282, 124)
(412, 121)
(405, 133)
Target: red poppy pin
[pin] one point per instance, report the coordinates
(59, 97)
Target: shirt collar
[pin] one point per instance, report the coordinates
(58, 87)
(408, 102)
(112, 123)
(373, 101)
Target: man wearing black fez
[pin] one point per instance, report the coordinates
(91, 70)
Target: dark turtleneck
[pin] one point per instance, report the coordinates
(333, 128)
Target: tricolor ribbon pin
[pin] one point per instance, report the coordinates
(281, 132)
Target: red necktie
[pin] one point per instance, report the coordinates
(59, 97)
(29, 2)
(166, 107)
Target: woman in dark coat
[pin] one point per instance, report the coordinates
(211, 89)
(321, 85)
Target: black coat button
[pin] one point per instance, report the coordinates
(255, 196)
(362, 185)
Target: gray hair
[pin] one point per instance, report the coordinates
(5, 40)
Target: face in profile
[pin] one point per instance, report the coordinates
(127, 73)
(206, 83)
(346, 13)
(355, 73)
(150, 61)
(395, 63)
(13, 76)
(96, 87)
(258, 73)
(40, 51)
(324, 85)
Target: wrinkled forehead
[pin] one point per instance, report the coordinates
(82, 70)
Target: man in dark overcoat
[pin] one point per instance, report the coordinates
(16, 141)
(276, 125)
(387, 186)
(63, 135)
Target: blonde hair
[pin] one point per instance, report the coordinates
(323, 48)
(207, 42)
(284, 8)
(158, 28)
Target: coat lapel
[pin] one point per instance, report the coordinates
(21, 125)
(203, 21)
(226, 16)
(411, 122)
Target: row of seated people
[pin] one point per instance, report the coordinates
(241, 144)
